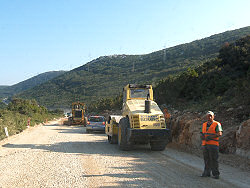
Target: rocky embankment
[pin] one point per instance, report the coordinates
(236, 135)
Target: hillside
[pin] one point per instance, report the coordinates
(224, 81)
(2, 87)
(105, 76)
(7, 91)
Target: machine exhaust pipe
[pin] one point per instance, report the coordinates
(147, 106)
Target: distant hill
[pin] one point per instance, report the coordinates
(7, 91)
(105, 76)
(2, 87)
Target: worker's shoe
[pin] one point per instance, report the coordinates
(216, 177)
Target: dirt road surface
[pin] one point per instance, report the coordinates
(65, 156)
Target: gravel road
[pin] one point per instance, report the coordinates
(54, 155)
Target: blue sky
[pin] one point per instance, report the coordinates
(37, 36)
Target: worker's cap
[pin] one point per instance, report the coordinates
(210, 113)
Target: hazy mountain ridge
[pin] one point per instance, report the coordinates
(6, 91)
(106, 75)
(3, 86)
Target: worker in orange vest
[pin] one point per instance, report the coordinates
(167, 117)
(210, 133)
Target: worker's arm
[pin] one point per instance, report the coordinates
(219, 133)
(211, 136)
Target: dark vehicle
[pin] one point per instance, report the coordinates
(95, 123)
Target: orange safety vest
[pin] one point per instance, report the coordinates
(211, 130)
(166, 114)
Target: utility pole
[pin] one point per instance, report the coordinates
(164, 54)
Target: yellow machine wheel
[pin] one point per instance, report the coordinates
(119, 135)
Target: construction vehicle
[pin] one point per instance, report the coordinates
(142, 121)
(78, 112)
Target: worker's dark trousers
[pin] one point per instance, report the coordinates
(169, 126)
(211, 155)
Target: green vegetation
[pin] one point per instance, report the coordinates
(222, 81)
(2, 105)
(17, 113)
(108, 103)
(106, 76)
